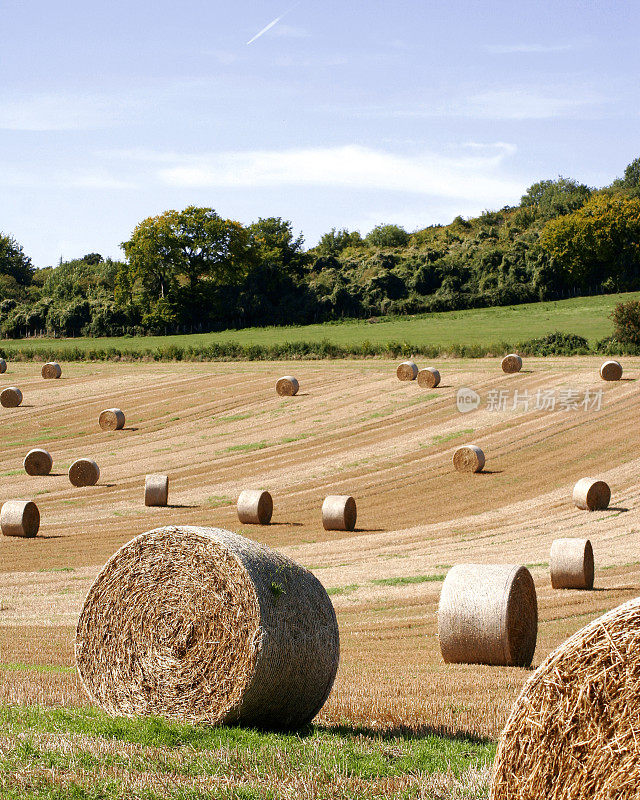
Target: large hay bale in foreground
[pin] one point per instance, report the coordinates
(573, 732)
(611, 371)
(51, 370)
(571, 564)
(111, 419)
(156, 490)
(203, 625)
(287, 386)
(407, 371)
(84, 472)
(255, 507)
(38, 462)
(591, 495)
(19, 518)
(488, 614)
(428, 378)
(468, 458)
(511, 363)
(339, 513)
(11, 397)
(3, 365)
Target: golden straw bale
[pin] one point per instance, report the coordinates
(511, 363)
(156, 490)
(611, 371)
(428, 378)
(11, 397)
(38, 462)
(468, 458)
(19, 518)
(571, 564)
(112, 419)
(84, 472)
(51, 370)
(287, 386)
(591, 495)
(339, 513)
(255, 507)
(407, 371)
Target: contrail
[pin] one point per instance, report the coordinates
(272, 23)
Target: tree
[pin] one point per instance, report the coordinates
(334, 242)
(387, 236)
(553, 198)
(631, 178)
(626, 322)
(16, 269)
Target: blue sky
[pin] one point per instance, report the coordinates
(339, 115)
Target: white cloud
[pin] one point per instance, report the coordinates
(508, 49)
(524, 103)
(62, 112)
(56, 179)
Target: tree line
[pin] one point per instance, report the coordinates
(193, 270)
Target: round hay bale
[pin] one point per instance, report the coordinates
(3, 365)
(38, 462)
(611, 371)
(591, 495)
(407, 371)
(287, 386)
(428, 378)
(339, 513)
(255, 507)
(572, 733)
(84, 472)
(571, 564)
(112, 419)
(468, 458)
(203, 625)
(511, 363)
(156, 490)
(19, 518)
(11, 397)
(488, 614)
(51, 370)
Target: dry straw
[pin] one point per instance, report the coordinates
(255, 507)
(611, 371)
(156, 490)
(112, 419)
(488, 614)
(287, 386)
(84, 472)
(407, 371)
(203, 625)
(571, 564)
(591, 495)
(51, 370)
(573, 732)
(3, 365)
(468, 458)
(11, 397)
(339, 513)
(19, 518)
(511, 363)
(428, 378)
(38, 462)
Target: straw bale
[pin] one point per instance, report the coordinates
(156, 490)
(468, 458)
(287, 386)
(202, 625)
(488, 614)
(38, 462)
(573, 732)
(84, 472)
(511, 363)
(611, 371)
(51, 370)
(571, 564)
(3, 365)
(255, 507)
(112, 419)
(11, 397)
(339, 513)
(19, 518)
(407, 371)
(591, 495)
(428, 378)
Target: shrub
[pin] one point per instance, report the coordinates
(626, 322)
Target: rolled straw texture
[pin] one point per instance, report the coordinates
(255, 507)
(591, 495)
(112, 419)
(428, 378)
(573, 732)
(3, 365)
(51, 370)
(339, 513)
(287, 386)
(84, 472)
(511, 363)
(19, 518)
(611, 371)
(468, 458)
(571, 564)
(156, 490)
(202, 625)
(11, 397)
(488, 614)
(38, 462)
(407, 371)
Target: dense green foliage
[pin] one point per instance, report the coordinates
(626, 322)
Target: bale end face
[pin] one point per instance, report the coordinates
(339, 513)
(84, 472)
(255, 507)
(20, 518)
(407, 371)
(511, 363)
(591, 495)
(428, 378)
(571, 564)
(156, 490)
(11, 397)
(611, 371)
(287, 386)
(3, 365)
(38, 462)
(112, 419)
(51, 370)
(468, 458)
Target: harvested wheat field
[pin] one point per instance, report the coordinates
(353, 429)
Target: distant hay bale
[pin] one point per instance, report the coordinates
(468, 458)
(84, 472)
(428, 378)
(156, 490)
(51, 370)
(202, 625)
(488, 614)
(3, 365)
(112, 419)
(255, 507)
(611, 371)
(573, 731)
(19, 518)
(407, 371)
(11, 397)
(571, 564)
(287, 386)
(591, 495)
(339, 513)
(511, 363)
(38, 462)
